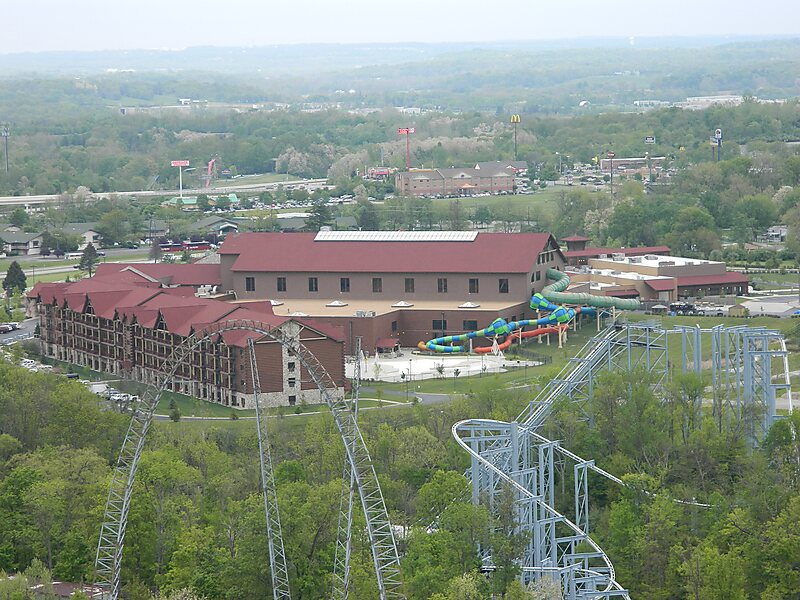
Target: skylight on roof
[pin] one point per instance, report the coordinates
(469, 305)
(402, 304)
(396, 236)
(336, 303)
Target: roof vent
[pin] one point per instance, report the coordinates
(469, 305)
(275, 302)
(402, 304)
(365, 313)
(298, 314)
(336, 303)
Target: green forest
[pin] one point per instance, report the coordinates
(197, 519)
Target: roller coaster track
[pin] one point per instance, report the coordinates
(514, 455)
(110, 546)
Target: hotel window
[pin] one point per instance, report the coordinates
(249, 284)
(502, 285)
(281, 284)
(470, 325)
(292, 381)
(313, 284)
(441, 285)
(290, 367)
(409, 285)
(394, 326)
(377, 285)
(292, 400)
(439, 325)
(344, 284)
(473, 286)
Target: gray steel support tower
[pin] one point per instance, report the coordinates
(111, 542)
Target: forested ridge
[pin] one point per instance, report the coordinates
(197, 517)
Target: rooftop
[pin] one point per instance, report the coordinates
(648, 260)
(638, 251)
(303, 252)
(323, 307)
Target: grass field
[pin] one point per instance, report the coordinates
(254, 180)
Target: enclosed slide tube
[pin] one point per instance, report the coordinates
(555, 294)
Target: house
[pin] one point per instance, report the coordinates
(219, 226)
(86, 231)
(21, 243)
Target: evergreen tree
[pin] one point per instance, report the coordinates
(89, 259)
(320, 216)
(15, 280)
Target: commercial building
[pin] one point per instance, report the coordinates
(127, 323)
(391, 286)
(657, 278)
(493, 178)
(578, 253)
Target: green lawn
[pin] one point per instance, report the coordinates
(254, 180)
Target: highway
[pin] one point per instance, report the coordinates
(310, 184)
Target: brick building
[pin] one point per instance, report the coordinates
(126, 324)
(391, 286)
(458, 181)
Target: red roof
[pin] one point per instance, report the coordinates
(729, 277)
(148, 305)
(576, 238)
(622, 293)
(298, 252)
(661, 285)
(595, 252)
(167, 273)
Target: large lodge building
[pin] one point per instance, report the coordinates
(328, 289)
(126, 323)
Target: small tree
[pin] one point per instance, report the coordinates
(155, 251)
(19, 218)
(88, 259)
(15, 280)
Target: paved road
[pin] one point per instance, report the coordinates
(233, 188)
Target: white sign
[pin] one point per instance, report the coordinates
(650, 139)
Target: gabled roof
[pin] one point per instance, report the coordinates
(298, 252)
(191, 274)
(150, 307)
(576, 238)
(661, 285)
(212, 220)
(79, 227)
(18, 237)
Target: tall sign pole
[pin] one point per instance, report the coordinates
(611, 156)
(5, 131)
(515, 120)
(407, 131)
(718, 139)
(180, 164)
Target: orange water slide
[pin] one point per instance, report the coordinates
(516, 335)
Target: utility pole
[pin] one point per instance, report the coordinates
(515, 120)
(5, 131)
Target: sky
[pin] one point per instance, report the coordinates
(44, 25)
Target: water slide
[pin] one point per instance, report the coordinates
(558, 317)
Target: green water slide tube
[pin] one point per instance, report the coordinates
(555, 293)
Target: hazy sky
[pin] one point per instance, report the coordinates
(37, 25)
